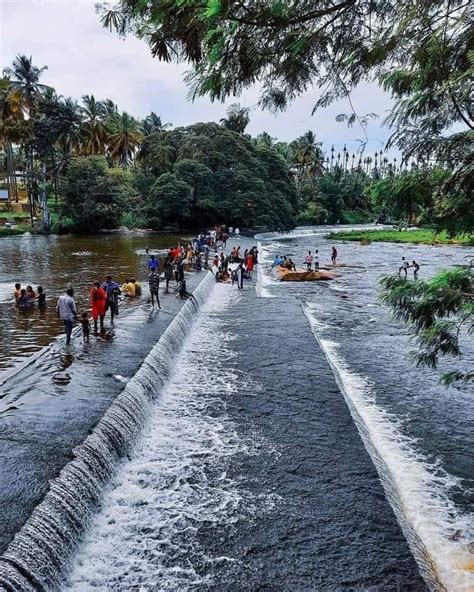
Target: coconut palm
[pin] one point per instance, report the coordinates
(26, 89)
(93, 129)
(307, 155)
(125, 138)
(152, 124)
(12, 128)
(24, 83)
(237, 118)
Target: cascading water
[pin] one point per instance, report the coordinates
(417, 483)
(36, 557)
(175, 485)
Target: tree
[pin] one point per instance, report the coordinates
(411, 195)
(152, 124)
(24, 85)
(420, 51)
(94, 196)
(93, 129)
(306, 155)
(125, 137)
(27, 92)
(237, 118)
(439, 314)
(226, 177)
(170, 200)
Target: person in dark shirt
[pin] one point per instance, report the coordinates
(416, 269)
(41, 297)
(86, 326)
(112, 289)
(23, 302)
(154, 284)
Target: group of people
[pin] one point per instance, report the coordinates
(225, 272)
(310, 260)
(105, 296)
(27, 298)
(405, 266)
(314, 259)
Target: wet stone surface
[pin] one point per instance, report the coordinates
(328, 526)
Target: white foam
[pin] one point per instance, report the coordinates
(6, 291)
(424, 506)
(176, 481)
(264, 280)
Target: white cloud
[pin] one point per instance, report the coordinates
(84, 58)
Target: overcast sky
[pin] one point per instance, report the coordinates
(84, 58)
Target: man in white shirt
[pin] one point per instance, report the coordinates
(66, 309)
(316, 260)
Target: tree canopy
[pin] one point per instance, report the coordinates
(204, 172)
(418, 50)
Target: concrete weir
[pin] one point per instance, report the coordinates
(38, 552)
(294, 500)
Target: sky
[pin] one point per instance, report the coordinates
(84, 58)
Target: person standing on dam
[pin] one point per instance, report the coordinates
(154, 284)
(66, 309)
(112, 289)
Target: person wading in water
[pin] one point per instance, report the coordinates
(112, 289)
(66, 309)
(154, 284)
(98, 303)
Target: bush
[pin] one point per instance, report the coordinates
(133, 220)
(313, 214)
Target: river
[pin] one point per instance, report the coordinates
(420, 431)
(57, 262)
(280, 439)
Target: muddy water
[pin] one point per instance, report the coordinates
(56, 262)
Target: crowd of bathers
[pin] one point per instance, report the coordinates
(27, 298)
(105, 296)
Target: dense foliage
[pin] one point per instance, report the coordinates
(94, 195)
(420, 51)
(204, 172)
(439, 313)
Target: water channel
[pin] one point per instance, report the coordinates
(280, 437)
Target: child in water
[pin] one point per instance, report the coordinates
(86, 326)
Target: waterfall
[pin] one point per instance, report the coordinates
(36, 557)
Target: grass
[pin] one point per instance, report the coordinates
(423, 236)
(20, 229)
(14, 215)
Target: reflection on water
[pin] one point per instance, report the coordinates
(57, 262)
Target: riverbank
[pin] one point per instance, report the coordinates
(20, 229)
(422, 236)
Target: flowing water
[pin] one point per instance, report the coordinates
(420, 432)
(57, 262)
(233, 459)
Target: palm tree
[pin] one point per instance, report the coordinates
(264, 139)
(307, 154)
(12, 127)
(152, 124)
(237, 118)
(93, 130)
(125, 138)
(27, 91)
(24, 83)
